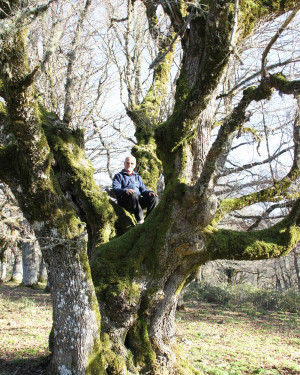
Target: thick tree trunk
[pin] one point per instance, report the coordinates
(139, 277)
(76, 337)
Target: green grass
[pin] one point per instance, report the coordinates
(25, 323)
(240, 333)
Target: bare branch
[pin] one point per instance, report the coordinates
(255, 164)
(71, 62)
(273, 40)
(268, 212)
(22, 17)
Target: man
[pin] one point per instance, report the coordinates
(131, 192)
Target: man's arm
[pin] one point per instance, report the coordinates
(144, 190)
(117, 185)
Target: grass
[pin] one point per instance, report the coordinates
(240, 329)
(25, 323)
(218, 339)
(222, 341)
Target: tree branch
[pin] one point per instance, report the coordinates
(237, 119)
(266, 214)
(71, 61)
(273, 40)
(275, 241)
(9, 21)
(233, 122)
(250, 78)
(244, 167)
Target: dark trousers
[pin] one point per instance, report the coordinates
(135, 203)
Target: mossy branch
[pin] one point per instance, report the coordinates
(12, 19)
(274, 193)
(75, 174)
(2, 93)
(275, 241)
(280, 83)
(237, 119)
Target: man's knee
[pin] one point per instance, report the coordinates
(133, 197)
(154, 200)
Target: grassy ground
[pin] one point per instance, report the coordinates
(25, 323)
(215, 339)
(224, 342)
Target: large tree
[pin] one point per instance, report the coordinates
(114, 286)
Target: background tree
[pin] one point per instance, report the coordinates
(138, 275)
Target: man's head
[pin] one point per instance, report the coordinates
(129, 164)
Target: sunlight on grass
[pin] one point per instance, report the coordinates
(25, 323)
(232, 339)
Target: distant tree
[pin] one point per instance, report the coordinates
(3, 261)
(133, 277)
(17, 269)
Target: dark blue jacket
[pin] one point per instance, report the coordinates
(122, 182)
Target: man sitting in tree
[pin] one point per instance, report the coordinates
(131, 191)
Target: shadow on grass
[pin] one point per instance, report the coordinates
(32, 366)
(15, 292)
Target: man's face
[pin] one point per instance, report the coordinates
(129, 165)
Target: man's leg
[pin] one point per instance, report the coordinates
(131, 203)
(149, 202)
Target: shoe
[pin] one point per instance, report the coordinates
(140, 221)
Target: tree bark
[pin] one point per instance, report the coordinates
(17, 273)
(30, 264)
(3, 266)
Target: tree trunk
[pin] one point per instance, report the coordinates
(76, 321)
(76, 339)
(3, 266)
(297, 269)
(43, 274)
(17, 273)
(30, 264)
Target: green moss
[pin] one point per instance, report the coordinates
(78, 172)
(174, 132)
(251, 12)
(148, 164)
(275, 241)
(3, 109)
(96, 363)
(148, 110)
(183, 366)
(113, 363)
(284, 85)
(274, 193)
(116, 265)
(140, 342)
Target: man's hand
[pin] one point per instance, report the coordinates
(130, 191)
(152, 194)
